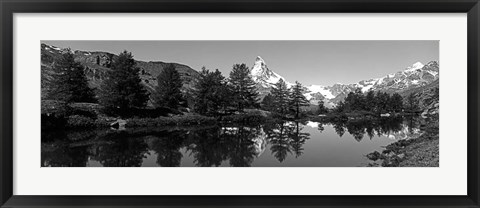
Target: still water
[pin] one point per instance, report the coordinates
(282, 144)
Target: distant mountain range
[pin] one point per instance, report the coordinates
(417, 75)
(97, 63)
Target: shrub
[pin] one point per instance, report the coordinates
(54, 107)
(184, 120)
(78, 121)
(90, 110)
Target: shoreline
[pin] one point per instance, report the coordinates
(422, 151)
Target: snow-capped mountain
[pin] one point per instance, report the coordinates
(263, 76)
(417, 75)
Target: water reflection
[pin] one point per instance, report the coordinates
(286, 138)
(394, 128)
(282, 143)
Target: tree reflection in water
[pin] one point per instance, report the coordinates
(286, 138)
(371, 127)
(167, 146)
(236, 146)
(120, 150)
(213, 146)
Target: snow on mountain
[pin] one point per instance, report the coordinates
(263, 75)
(321, 89)
(416, 75)
(415, 66)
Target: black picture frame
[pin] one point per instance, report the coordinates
(9, 7)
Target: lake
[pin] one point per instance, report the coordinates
(282, 144)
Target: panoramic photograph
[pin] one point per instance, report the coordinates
(288, 103)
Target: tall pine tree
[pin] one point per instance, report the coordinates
(382, 100)
(297, 99)
(244, 89)
(122, 89)
(396, 103)
(281, 100)
(212, 95)
(412, 103)
(69, 83)
(168, 93)
(370, 101)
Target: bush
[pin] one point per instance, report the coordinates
(78, 121)
(55, 108)
(141, 112)
(184, 120)
(90, 110)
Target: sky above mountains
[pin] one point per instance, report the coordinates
(309, 62)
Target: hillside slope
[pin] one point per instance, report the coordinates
(97, 64)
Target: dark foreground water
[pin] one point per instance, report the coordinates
(288, 144)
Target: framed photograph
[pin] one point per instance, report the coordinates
(266, 103)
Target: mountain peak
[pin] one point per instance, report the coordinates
(263, 75)
(260, 67)
(259, 59)
(259, 64)
(415, 66)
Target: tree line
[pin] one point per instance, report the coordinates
(212, 94)
(379, 102)
(285, 101)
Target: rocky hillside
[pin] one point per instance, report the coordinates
(427, 96)
(98, 63)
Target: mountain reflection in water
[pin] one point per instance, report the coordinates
(286, 143)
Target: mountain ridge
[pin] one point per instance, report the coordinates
(416, 75)
(97, 63)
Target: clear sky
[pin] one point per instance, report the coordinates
(309, 62)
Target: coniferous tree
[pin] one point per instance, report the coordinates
(167, 93)
(297, 99)
(340, 107)
(396, 103)
(358, 100)
(212, 93)
(244, 89)
(412, 103)
(370, 101)
(122, 89)
(382, 100)
(69, 83)
(281, 100)
(268, 103)
(321, 107)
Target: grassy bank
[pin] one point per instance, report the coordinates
(248, 117)
(416, 152)
(57, 115)
(177, 120)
